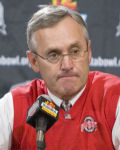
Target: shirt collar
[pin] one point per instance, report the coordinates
(58, 101)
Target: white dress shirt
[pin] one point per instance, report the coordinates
(59, 101)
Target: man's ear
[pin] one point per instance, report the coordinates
(33, 61)
(89, 51)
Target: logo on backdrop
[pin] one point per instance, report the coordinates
(118, 28)
(2, 21)
(84, 16)
(68, 3)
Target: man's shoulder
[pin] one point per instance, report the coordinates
(33, 87)
(103, 76)
(106, 79)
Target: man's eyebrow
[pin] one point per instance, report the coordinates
(50, 50)
(53, 49)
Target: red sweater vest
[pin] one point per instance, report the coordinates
(91, 122)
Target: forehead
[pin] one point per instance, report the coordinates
(60, 35)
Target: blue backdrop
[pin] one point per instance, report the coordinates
(102, 17)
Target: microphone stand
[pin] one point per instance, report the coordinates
(41, 126)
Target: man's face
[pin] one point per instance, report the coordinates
(67, 77)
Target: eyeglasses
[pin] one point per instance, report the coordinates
(55, 57)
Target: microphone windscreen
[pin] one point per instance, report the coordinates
(43, 106)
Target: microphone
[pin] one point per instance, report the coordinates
(42, 115)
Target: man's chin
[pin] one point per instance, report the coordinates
(68, 83)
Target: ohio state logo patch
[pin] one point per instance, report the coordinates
(89, 125)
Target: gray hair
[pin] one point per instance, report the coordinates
(49, 16)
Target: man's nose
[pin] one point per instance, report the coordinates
(66, 63)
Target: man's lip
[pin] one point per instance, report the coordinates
(67, 76)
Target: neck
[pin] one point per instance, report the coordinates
(59, 100)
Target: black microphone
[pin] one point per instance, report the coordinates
(42, 115)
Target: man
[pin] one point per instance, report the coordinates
(60, 50)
